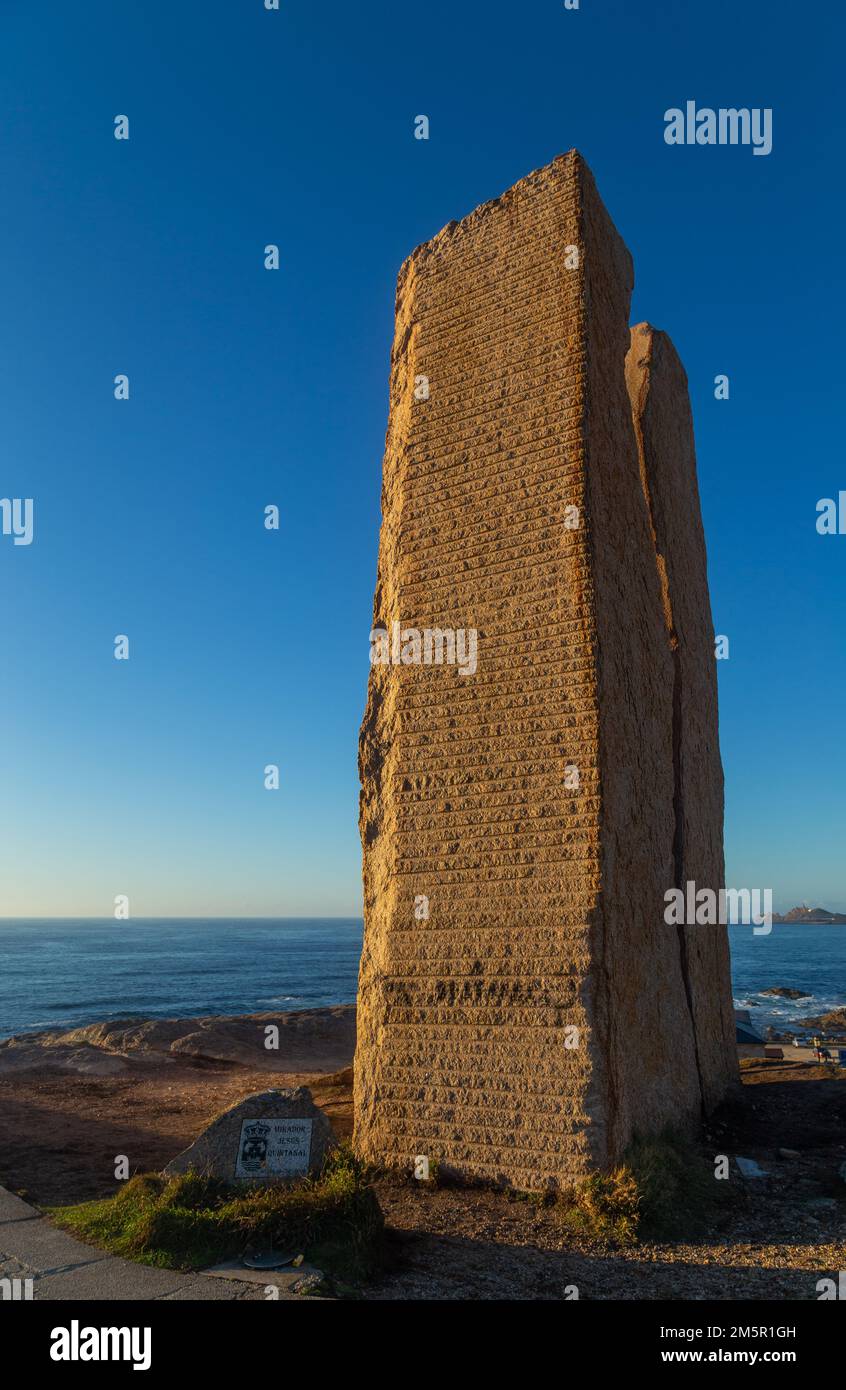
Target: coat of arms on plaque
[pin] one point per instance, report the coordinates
(254, 1139)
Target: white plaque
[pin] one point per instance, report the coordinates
(278, 1148)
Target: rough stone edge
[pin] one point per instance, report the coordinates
(657, 382)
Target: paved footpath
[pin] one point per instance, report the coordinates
(61, 1267)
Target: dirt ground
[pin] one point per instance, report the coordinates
(785, 1233)
(60, 1135)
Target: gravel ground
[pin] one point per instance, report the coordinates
(781, 1235)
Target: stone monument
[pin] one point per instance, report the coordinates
(524, 1009)
(272, 1136)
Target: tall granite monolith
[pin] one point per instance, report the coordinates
(663, 423)
(524, 1008)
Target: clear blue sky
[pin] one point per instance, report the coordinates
(251, 387)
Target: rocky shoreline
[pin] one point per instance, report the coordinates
(833, 1024)
(830, 1026)
(310, 1040)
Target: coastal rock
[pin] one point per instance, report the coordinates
(781, 992)
(24, 1054)
(272, 1136)
(308, 1040)
(814, 916)
(833, 1022)
(523, 1006)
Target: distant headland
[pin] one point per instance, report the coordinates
(819, 915)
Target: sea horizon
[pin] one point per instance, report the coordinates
(201, 966)
(197, 917)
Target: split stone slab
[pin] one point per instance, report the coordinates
(283, 1278)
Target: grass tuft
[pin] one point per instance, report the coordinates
(190, 1221)
(680, 1196)
(664, 1190)
(605, 1209)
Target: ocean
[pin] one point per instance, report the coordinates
(60, 973)
(795, 956)
(65, 973)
